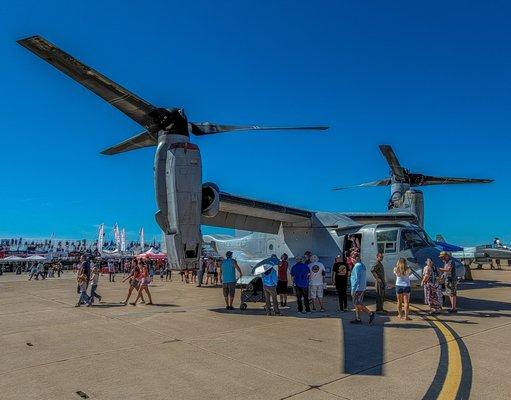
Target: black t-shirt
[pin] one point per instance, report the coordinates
(86, 269)
(341, 273)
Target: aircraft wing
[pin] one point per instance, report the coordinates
(375, 218)
(253, 215)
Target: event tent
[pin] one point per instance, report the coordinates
(152, 254)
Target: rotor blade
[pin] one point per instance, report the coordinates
(392, 160)
(208, 128)
(382, 182)
(144, 139)
(425, 180)
(121, 98)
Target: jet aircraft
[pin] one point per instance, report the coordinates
(482, 254)
(185, 203)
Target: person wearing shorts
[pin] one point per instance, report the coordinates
(228, 271)
(316, 281)
(358, 282)
(451, 281)
(402, 272)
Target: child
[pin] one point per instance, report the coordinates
(82, 285)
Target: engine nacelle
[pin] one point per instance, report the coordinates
(178, 176)
(210, 200)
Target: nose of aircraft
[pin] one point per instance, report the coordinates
(421, 255)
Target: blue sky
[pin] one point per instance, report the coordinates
(430, 78)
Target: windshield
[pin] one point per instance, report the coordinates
(412, 239)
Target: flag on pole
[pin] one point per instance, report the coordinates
(117, 237)
(123, 240)
(142, 239)
(101, 237)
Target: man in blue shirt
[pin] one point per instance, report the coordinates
(300, 273)
(228, 268)
(270, 291)
(358, 287)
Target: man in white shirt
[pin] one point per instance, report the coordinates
(316, 282)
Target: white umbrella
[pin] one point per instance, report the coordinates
(34, 258)
(12, 259)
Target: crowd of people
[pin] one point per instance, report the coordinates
(309, 280)
(308, 275)
(138, 273)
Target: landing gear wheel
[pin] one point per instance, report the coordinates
(243, 306)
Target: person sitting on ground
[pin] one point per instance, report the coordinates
(228, 271)
(317, 274)
(358, 287)
(403, 290)
(282, 280)
(300, 273)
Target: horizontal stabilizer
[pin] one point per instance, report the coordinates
(144, 139)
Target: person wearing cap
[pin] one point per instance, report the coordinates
(451, 282)
(94, 280)
(300, 273)
(228, 270)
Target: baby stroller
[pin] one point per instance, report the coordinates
(251, 290)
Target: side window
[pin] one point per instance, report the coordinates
(387, 241)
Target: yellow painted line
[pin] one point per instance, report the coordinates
(454, 368)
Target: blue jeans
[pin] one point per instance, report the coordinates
(94, 294)
(84, 298)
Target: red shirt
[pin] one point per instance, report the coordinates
(283, 265)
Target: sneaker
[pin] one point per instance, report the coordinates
(322, 309)
(371, 317)
(356, 321)
(227, 307)
(231, 308)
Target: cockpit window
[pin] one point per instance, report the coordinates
(387, 241)
(412, 239)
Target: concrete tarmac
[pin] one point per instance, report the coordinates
(187, 346)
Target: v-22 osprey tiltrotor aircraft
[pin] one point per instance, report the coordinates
(184, 202)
